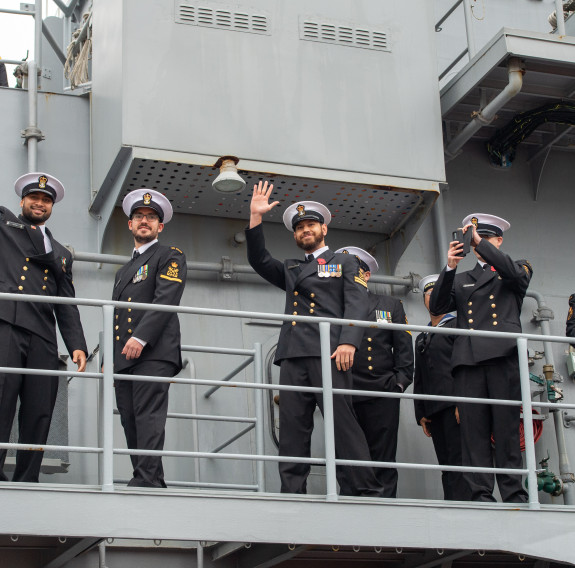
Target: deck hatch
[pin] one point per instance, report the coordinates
(344, 34)
(221, 17)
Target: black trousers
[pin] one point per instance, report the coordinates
(446, 436)
(143, 408)
(20, 348)
(497, 379)
(379, 420)
(296, 426)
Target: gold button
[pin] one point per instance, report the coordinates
(471, 328)
(43, 287)
(494, 323)
(494, 315)
(369, 338)
(312, 305)
(312, 295)
(129, 331)
(129, 309)
(369, 348)
(369, 358)
(370, 368)
(117, 338)
(311, 311)
(27, 260)
(20, 287)
(295, 313)
(129, 299)
(470, 303)
(116, 317)
(491, 297)
(499, 278)
(295, 303)
(22, 277)
(46, 271)
(470, 321)
(117, 327)
(492, 305)
(45, 278)
(129, 320)
(296, 293)
(24, 268)
(470, 312)
(293, 322)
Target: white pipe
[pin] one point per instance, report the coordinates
(32, 141)
(38, 34)
(487, 115)
(559, 13)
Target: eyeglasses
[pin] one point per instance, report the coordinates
(150, 217)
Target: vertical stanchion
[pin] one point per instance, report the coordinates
(107, 424)
(31, 140)
(101, 357)
(200, 555)
(560, 17)
(328, 419)
(469, 28)
(528, 423)
(259, 400)
(38, 37)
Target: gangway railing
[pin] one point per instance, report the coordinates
(107, 450)
(470, 49)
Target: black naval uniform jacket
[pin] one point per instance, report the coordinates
(385, 357)
(28, 269)
(309, 294)
(157, 276)
(570, 325)
(433, 370)
(484, 299)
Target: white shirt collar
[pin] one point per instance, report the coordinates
(318, 252)
(145, 247)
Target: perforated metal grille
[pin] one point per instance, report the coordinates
(344, 34)
(221, 17)
(353, 206)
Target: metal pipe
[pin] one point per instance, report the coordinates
(217, 267)
(229, 376)
(219, 350)
(528, 424)
(200, 556)
(486, 115)
(19, 12)
(560, 14)
(233, 439)
(207, 417)
(102, 555)
(38, 36)
(259, 411)
(32, 141)
(439, 227)
(328, 416)
(469, 28)
(195, 424)
(447, 14)
(108, 404)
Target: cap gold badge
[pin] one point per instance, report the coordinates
(147, 198)
(42, 181)
(474, 221)
(300, 210)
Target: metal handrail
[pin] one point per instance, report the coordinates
(108, 451)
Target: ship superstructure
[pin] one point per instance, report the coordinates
(358, 104)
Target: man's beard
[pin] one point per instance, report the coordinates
(143, 239)
(26, 213)
(312, 245)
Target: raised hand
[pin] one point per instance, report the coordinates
(260, 204)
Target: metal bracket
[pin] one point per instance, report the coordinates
(414, 281)
(27, 7)
(32, 132)
(227, 268)
(567, 419)
(542, 314)
(46, 72)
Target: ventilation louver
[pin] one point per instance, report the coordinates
(344, 34)
(221, 17)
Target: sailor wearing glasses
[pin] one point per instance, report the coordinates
(439, 418)
(147, 342)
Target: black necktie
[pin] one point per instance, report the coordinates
(135, 255)
(309, 257)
